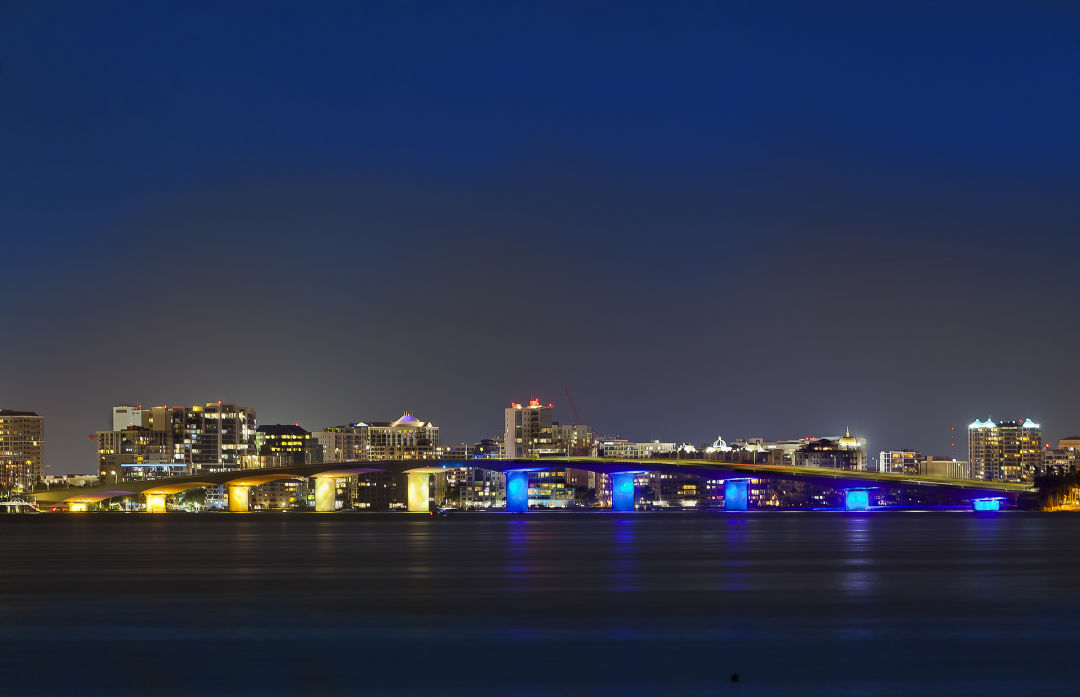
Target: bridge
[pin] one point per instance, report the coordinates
(984, 494)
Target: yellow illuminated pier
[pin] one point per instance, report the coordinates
(239, 498)
(155, 503)
(325, 494)
(420, 488)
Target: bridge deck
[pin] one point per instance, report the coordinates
(827, 477)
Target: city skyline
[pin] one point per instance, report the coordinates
(1046, 441)
(674, 213)
(539, 348)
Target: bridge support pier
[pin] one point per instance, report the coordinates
(239, 498)
(326, 494)
(517, 491)
(856, 499)
(622, 491)
(735, 494)
(987, 504)
(155, 503)
(419, 492)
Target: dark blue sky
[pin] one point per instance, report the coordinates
(770, 218)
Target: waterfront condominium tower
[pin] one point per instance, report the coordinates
(22, 448)
(529, 432)
(1008, 451)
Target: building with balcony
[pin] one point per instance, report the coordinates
(1008, 451)
(22, 449)
(347, 443)
(284, 445)
(899, 462)
(171, 441)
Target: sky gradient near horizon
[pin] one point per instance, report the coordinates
(751, 219)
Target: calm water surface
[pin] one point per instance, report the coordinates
(544, 603)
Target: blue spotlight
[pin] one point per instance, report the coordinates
(622, 491)
(517, 491)
(734, 494)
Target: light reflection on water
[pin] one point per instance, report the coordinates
(819, 603)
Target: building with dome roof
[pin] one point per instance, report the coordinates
(407, 438)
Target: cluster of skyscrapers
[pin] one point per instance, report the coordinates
(167, 441)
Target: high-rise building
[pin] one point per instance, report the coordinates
(408, 438)
(528, 430)
(899, 461)
(166, 441)
(218, 437)
(572, 439)
(284, 445)
(1008, 451)
(125, 417)
(136, 452)
(22, 449)
(347, 443)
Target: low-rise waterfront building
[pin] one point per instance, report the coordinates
(945, 467)
(624, 449)
(899, 462)
(1061, 461)
(1069, 442)
(844, 453)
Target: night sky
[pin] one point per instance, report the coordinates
(762, 219)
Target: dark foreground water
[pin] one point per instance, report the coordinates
(546, 603)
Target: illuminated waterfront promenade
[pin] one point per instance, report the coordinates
(622, 471)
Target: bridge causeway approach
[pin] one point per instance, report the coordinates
(622, 471)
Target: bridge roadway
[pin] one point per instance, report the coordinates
(239, 482)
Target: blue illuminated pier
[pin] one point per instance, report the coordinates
(987, 504)
(622, 491)
(735, 494)
(856, 499)
(517, 491)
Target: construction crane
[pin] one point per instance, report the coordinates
(573, 406)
